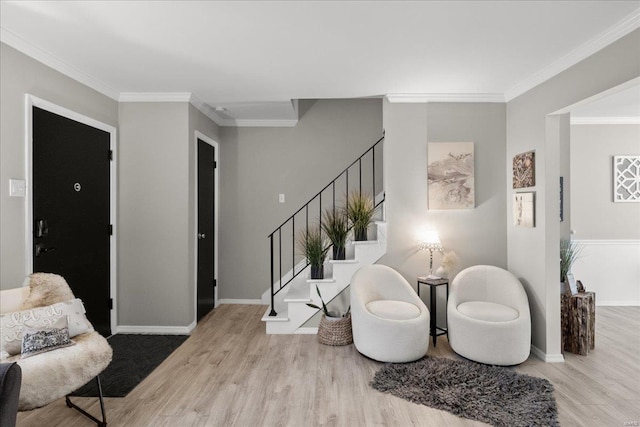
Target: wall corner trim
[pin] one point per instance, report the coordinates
(548, 358)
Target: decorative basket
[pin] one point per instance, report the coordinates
(335, 330)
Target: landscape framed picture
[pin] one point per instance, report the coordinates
(524, 170)
(451, 176)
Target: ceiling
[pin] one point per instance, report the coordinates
(251, 60)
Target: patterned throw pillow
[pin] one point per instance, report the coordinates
(12, 324)
(41, 340)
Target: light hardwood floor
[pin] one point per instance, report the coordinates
(229, 373)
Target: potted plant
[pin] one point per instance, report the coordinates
(360, 211)
(336, 227)
(314, 247)
(569, 253)
(334, 329)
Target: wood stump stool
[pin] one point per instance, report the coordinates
(578, 322)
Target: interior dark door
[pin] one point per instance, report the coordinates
(206, 228)
(71, 201)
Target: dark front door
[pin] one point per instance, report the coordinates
(71, 204)
(206, 228)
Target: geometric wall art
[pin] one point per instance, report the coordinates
(524, 210)
(524, 170)
(450, 174)
(626, 178)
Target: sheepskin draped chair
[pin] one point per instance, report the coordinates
(488, 316)
(390, 322)
(49, 376)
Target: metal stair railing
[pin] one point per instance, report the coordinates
(372, 177)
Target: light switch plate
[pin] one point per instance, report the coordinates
(17, 188)
(281, 198)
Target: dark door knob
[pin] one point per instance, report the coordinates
(42, 249)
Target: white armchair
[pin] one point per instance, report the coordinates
(390, 323)
(488, 316)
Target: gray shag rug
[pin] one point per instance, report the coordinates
(491, 394)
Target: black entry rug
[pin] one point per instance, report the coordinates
(134, 358)
(491, 394)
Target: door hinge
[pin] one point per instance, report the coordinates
(110, 303)
(110, 155)
(215, 283)
(110, 229)
(215, 164)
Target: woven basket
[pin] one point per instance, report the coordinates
(335, 331)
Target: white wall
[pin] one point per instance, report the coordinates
(478, 236)
(533, 253)
(596, 216)
(19, 75)
(609, 232)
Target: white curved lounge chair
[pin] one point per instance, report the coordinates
(488, 316)
(390, 323)
(57, 373)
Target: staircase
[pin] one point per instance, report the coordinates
(292, 290)
(291, 308)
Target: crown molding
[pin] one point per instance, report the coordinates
(444, 97)
(605, 120)
(259, 123)
(155, 97)
(621, 29)
(50, 60)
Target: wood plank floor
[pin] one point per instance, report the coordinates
(229, 373)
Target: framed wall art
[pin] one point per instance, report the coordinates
(626, 178)
(524, 170)
(450, 171)
(524, 210)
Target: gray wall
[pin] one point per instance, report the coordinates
(533, 253)
(157, 216)
(259, 163)
(596, 216)
(153, 215)
(19, 75)
(477, 236)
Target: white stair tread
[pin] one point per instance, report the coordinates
(281, 317)
(365, 242)
(298, 292)
(320, 280)
(343, 261)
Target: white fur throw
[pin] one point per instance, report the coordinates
(50, 376)
(46, 289)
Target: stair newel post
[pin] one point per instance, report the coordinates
(273, 311)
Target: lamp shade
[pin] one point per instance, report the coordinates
(431, 241)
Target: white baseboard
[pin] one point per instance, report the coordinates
(241, 301)
(307, 331)
(549, 358)
(156, 330)
(617, 303)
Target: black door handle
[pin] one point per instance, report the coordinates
(41, 249)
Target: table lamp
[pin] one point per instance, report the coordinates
(432, 243)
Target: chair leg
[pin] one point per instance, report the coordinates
(102, 423)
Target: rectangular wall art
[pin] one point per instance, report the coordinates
(626, 178)
(451, 175)
(524, 170)
(524, 210)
